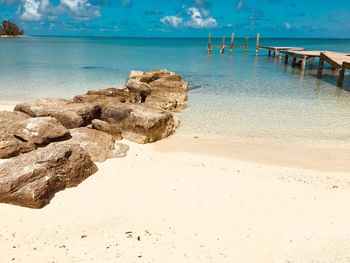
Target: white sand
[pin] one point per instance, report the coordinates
(7, 106)
(187, 204)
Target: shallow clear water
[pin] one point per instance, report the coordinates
(231, 96)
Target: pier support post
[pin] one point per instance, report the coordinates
(246, 44)
(320, 68)
(222, 50)
(341, 78)
(274, 52)
(269, 53)
(209, 44)
(303, 63)
(280, 55)
(312, 62)
(294, 62)
(232, 41)
(257, 44)
(286, 56)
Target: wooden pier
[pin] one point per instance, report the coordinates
(278, 50)
(304, 56)
(223, 46)
(299, 56)
(275, 49)
(339, 61)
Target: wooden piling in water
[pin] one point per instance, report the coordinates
(280, 56)
(303, 63)
(286, 59)
(222, 50)
(320, 67)
(341, 78)
(232, 41)
(257, 44)
(312, 62)
(223, 46)
(209, 44)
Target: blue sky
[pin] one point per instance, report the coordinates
(182, 18)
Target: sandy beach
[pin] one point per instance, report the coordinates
(192, 131)
(185, 199)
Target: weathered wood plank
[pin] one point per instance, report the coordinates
(281, 48)
(335, 59)
(301, 54)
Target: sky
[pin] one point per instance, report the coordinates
(181, 18)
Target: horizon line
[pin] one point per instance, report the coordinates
(183, 37)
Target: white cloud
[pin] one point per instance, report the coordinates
(31, 10)
(174, 21)
(34, 10)
(200, 19)
(287, 25)
(81, 8)
(195, 18)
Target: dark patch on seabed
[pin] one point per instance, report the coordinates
(99, 68)
(195, 87)
(90, 67)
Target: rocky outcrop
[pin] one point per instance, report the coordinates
(110, 95)
(87, 126)
(107, 128)
(139, 110)
(136, 86)
(67, 112)
(167, 89)
(139, 122)
(135, 74)
(159, 88)
(100, 145)
(32, 179)
(41, 130)
(10, 145)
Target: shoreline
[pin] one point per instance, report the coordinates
(318, 156)
(8, 36)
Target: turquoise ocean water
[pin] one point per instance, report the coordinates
(231, 96)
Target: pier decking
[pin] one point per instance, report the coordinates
(278, 49)
(346, 65)
(303, 56)
(340, 61)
